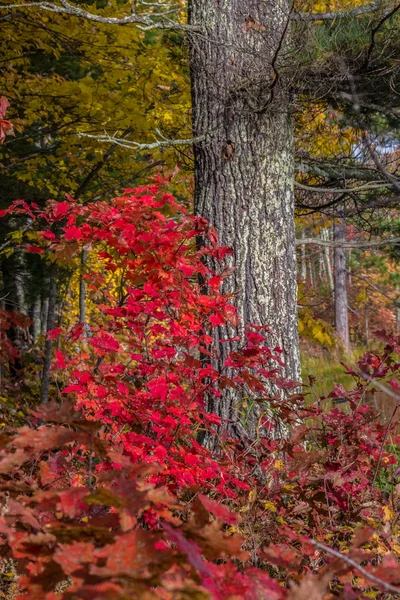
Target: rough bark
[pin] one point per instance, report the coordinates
(14, 275)
(51, 319)
(44, 313)
(36, 317)
(244, 170)
(340, 277)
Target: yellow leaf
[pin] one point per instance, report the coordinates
(388, 514)
(252, 495)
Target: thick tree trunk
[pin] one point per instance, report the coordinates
(341, 301)
(244, 170)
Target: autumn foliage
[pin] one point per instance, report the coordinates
(107, 491)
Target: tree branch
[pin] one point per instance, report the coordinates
(374, 287)
(386, 586)
(144, 22)
(366, 138)
(327, 190)
(126, 182)
(373, 34)
(337, 171)
(97, 168)
(328, 244)
(162, 143)
(389, 202)
(341, 14)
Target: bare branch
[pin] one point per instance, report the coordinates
(162, 143)
(337, 171)
(386, 586)
(126, 182)
(144, 22)
(367, 140)
(328, 244)
(390, 202)
(274, 60)
(341, 14)
(374, 287)
(373, 36)
(327, 190)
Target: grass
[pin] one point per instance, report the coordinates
(327, 370)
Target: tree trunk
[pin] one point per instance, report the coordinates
(82, 294)
(303, 258)
(36, 317)
(327, 260)
(244, 170)
(44, 311)
(311, 270)
(51, 319)
(14, 275)
(340, 276)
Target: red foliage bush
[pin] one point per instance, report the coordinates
(109, 491)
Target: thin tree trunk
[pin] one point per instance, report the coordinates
(36, 317)
(20, 280)
(51, 319)
(82, 292)
(14, 283)
(398, 317)
(341, 301)
(44, 313)
(244, 171)
(303, 258)
(327, 260)
(311, 271)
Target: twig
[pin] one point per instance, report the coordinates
(374, 287)
(127, 181)
(379, 385)
(378, 464)
(366, 138)
(386, 586)
(373, 34)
